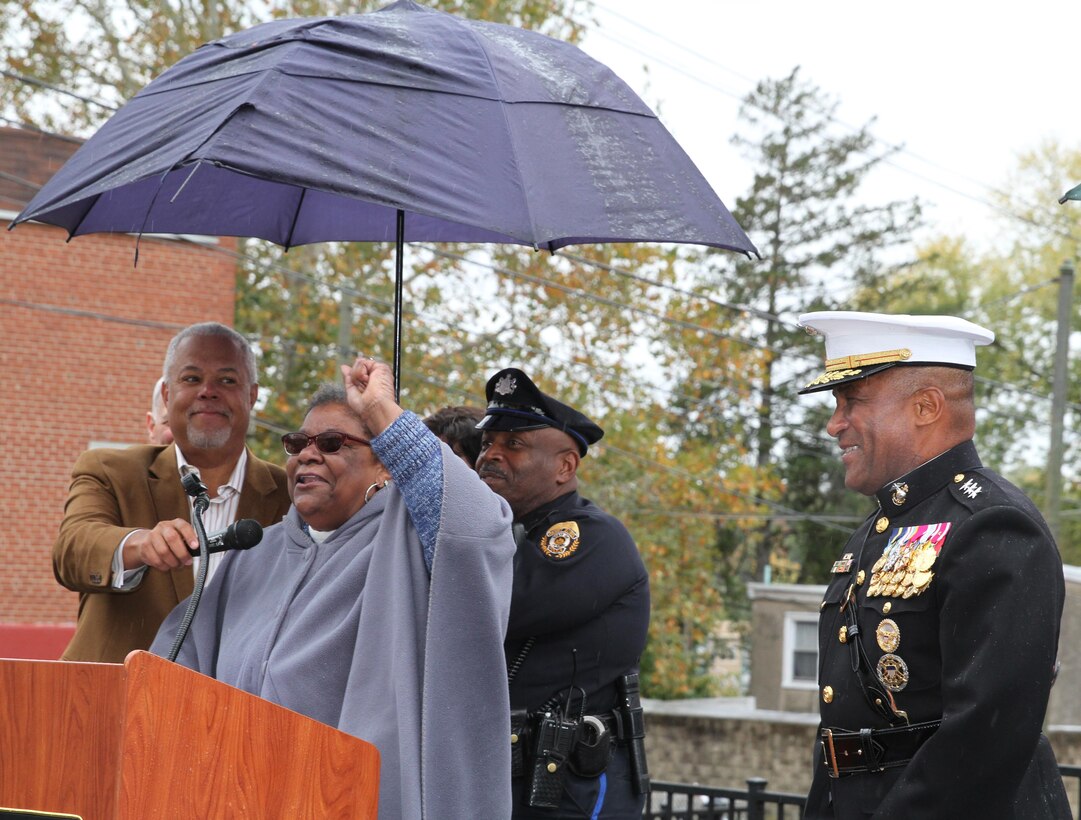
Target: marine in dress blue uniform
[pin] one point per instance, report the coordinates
(579, 614)
(939, 627)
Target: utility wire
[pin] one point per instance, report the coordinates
(22, 78)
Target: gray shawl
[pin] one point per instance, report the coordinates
(354, 632)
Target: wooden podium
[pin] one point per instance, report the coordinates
(151, 739)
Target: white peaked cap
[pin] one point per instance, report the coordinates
(859, 345)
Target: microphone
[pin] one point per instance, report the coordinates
(240, 535)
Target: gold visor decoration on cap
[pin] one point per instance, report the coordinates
(832, 376)
(902, 354)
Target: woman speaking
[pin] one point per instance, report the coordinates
(378, 605)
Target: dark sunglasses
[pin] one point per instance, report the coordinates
(329, 442)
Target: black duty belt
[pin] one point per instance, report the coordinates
(872, 750)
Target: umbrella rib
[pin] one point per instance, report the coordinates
(296, 215)
(510, 135)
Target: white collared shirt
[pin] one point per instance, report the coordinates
(219, 515)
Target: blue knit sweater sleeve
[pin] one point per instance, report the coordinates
(414, 458)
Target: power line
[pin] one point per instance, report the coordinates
(22, 78)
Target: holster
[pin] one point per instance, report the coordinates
(593, 748)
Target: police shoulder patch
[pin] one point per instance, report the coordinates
(561, 541)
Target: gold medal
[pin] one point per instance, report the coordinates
(925, 558)
(892, 671)
(909, 592)
(888, 635)
(881, 562)
(561, 540)
(920, 580)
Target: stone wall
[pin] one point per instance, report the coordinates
(686, 744)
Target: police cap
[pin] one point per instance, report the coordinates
(515, 403)
(859, 344)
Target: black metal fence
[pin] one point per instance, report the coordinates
(682, 801)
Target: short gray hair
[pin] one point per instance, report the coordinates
(329, 393)
(213, 329)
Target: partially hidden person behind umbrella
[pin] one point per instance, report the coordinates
(578, 618)
(124, 540)
(379, 605)
(939, 628)
(457, 426)
(157, 417)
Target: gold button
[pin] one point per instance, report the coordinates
(881, 524)
(842, 634)
(827, 694)
(513, 738)
(886, 607)
(959, 478)
(860, 576)
(552, 767)
(878, 701)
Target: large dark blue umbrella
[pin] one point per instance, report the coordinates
(404, 124)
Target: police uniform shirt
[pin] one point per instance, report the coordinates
(581, 590)
(958, 591)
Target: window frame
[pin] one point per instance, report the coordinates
(792, 619)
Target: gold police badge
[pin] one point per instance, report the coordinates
(561, 540)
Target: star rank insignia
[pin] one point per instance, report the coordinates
(561, 540)
(971, 488)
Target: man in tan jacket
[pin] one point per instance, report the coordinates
(125, 537)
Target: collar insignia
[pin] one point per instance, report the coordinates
(900, 493)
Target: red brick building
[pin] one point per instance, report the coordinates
(82, 337)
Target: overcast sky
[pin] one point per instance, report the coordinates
(965, 86)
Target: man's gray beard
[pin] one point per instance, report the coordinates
(208, 440)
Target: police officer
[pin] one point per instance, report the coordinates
(578, 619)
(939, 628)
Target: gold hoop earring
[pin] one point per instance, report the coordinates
(373, 489)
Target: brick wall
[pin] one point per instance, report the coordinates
(82, 338)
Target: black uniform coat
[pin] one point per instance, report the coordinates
(977, 644)
(588, 612)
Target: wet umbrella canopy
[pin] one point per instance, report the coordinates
(404, 124)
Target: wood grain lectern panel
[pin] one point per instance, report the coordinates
(151, 739)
